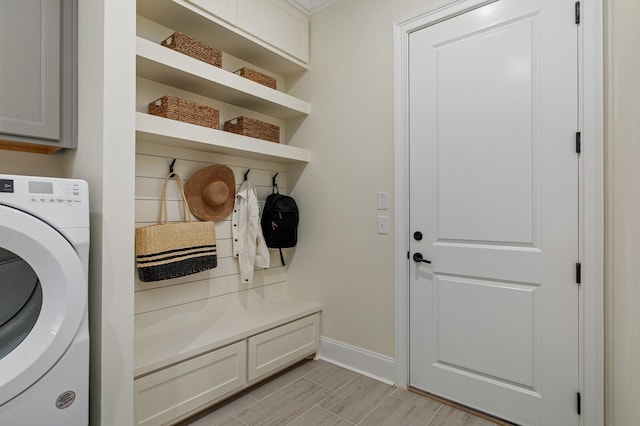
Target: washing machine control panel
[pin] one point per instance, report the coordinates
(49, 192)
(62, 201)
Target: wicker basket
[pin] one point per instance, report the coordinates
(251, 127)
(196, 49)
(187, 111)
(256, 76)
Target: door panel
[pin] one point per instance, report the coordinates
(494, 190)
(480, 205)
(459, 298)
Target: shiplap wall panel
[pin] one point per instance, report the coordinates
(152, 165)
(149, 188)
(166, 151)
(223, 229)
(155, 166)
(180, 293)
(226, 266)
(219, 284)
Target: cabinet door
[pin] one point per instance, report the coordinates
(278, 23)
(30, 68)
(277, 348)
(223, 9)
(183, 389)
(37, 72)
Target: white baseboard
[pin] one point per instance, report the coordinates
(360, 360)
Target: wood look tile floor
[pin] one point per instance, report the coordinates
(315, 393)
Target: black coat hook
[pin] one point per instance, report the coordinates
(171, 172)
(274, 183)
(246, 174)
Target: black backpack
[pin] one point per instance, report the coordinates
(279, 221)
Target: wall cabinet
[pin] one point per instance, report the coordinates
(224, 9)
(278, 23)
(37, 74)
(271, 34)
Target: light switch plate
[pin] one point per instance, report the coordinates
(383, 203)
(383, 225)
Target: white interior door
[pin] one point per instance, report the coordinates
(494, 192)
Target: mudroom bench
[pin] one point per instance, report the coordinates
(203, 352)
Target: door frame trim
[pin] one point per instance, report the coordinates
(591, 123)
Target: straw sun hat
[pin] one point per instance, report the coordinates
(211, 192)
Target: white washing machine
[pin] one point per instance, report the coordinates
(44, 335)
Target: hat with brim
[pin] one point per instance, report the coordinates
(211, 192)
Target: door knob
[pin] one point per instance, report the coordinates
(417, 257)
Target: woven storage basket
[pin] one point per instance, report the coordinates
(251, 127)
(256, 76)
(196, 49)
(187, 111)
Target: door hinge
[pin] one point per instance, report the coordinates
(578, 142)
(408, 255)
(577, 11)
(579, 403)
(578, 273)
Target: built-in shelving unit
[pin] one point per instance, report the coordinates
(192, 354)
(185, 17)
(163, 65)
(176, 133)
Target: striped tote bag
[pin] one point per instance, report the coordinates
(174, 249)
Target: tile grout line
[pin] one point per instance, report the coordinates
(339, 388)
(332, 392)
(340, 417)
(302, 414)
(235, 417)
(310, 381)
(316, 405)
(281, 388)
(378, 405)
(434, 414)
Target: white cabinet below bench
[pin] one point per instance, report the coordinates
(277, 348)
(169, 394)
(178, 391)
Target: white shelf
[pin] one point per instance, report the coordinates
(163, 65)
(181, 16)
(176, 133)
(164, 338)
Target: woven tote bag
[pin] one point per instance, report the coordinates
(171, 250)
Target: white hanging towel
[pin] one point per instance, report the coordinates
(248, 242)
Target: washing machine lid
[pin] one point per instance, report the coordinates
(57, 302)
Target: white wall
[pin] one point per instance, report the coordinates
(622, 234)
(26, 163)
(340, 261)
(105, 158)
